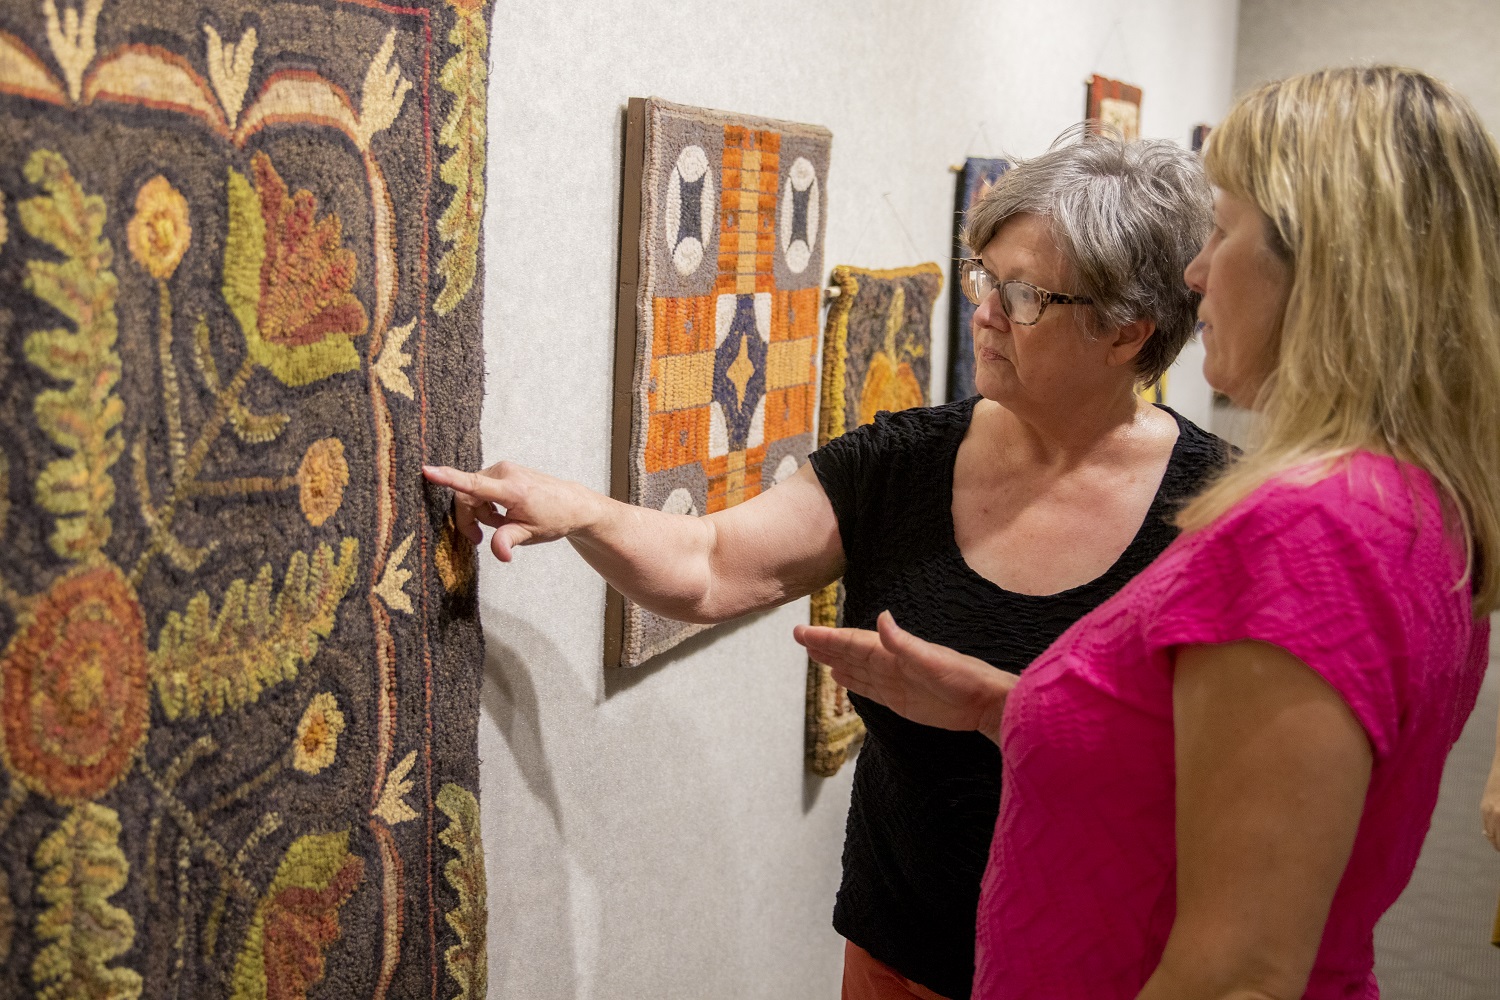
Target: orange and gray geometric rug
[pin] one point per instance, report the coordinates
(721, 268)
(239, 648)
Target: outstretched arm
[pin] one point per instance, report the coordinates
(920, 680)
(775, 547)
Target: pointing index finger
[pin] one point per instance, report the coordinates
(479, 486)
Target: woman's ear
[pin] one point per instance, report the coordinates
(1129, 339)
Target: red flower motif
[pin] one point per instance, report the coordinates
(307, 277)
(75, 702)
(299, 924)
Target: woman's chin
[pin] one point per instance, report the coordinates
(990, 386)
(1239, 391)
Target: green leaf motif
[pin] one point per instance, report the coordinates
(81, 866)
(465, 76)
(85, 417)
(206, 663)
(203, 355)
(297, 919)
(244, 253)
(467, 961)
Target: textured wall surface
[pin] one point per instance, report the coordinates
(1451, 39)
(650, 833)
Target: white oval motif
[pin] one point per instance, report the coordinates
(687, 248)
(687, 256)
(680, 501)
(797, 241)
(785, 469)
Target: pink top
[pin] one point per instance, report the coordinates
(1352, 574)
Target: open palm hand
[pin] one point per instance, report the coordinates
(920, 680)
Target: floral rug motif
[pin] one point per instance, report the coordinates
(877, 355)
(239, 649)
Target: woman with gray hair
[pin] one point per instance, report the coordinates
(988, 525)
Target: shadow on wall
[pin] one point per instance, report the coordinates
(627, 793)
(616, 681)
(509, 699)
(626, 678)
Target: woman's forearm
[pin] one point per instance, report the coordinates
(659, 560)
(779, 545)
(663, 562)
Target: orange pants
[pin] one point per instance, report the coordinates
(868, 978)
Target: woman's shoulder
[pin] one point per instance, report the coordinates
(928, 420)
(916, 429)
(896, 451)
(1374, 501)
(1197, 457)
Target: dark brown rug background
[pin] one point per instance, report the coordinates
(342, 841)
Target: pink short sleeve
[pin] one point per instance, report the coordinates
(1309, 569)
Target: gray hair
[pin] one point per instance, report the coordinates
(1128, 218)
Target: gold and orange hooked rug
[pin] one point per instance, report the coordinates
(877, 355)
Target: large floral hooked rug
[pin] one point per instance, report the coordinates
(239, 652)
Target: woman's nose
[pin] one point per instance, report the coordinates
(1197, 271)
(988, 312)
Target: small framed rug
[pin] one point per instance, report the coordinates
(721, 262)
(1114, 104)
(975, 178)
(240, 283)
(877, 355)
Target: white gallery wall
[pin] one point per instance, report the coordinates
(651, 833)
(1453, 40)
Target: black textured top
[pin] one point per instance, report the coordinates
(925, 800)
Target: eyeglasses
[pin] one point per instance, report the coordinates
(1022, 301)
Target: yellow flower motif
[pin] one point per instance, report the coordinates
(321, 479)
(159, 232)
(318, 734)
(454, 555)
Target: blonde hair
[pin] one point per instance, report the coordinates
(1383, 191)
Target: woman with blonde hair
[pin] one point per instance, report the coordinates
(1217, 782)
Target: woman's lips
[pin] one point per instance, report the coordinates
(986, 354)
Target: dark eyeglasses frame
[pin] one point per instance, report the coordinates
(967, 265)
